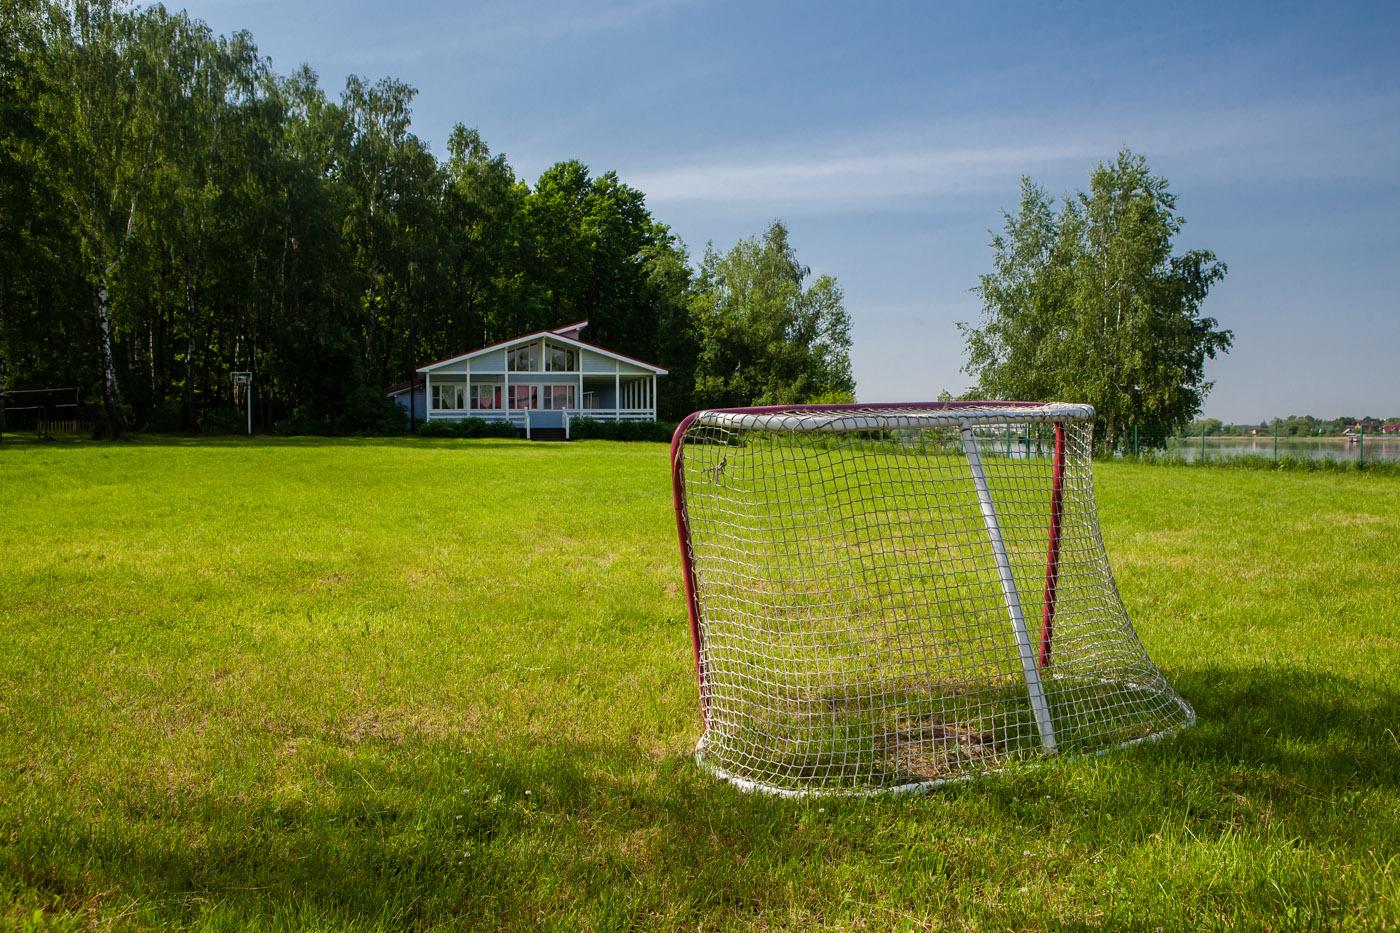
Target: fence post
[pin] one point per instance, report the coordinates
(1275, 443)
(1361, 448)
(1203, 442)
(1135, 441)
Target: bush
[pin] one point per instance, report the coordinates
(592, 429)
(369, 411)
(224, 421)
(304, 421)
(468, 428)
(164, 418)
(437, 429)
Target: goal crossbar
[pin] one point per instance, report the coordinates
(889, 417)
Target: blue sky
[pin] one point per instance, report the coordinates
(890, 136)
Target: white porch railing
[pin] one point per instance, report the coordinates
(520, 416)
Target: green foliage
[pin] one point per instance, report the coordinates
(1091, 305)
(305, 421)
(181, 211)
(437, 429)
(585, 429)
(1286, 464)
(1308, 426)
(363, 411)
(369, 411)
(350, 684)
(468, 428)
(222, 217)
(764, 336)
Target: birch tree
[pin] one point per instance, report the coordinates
(103, 118)
(1091, 304)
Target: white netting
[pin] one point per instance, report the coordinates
(895, 597)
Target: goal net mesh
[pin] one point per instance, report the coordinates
(892, 597)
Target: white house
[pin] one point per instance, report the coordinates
(539, 381)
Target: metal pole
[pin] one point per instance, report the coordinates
(1361, 447)
(1275, 442)
(248, 397)
(1008, 587)
(1203, 442)
(1052, 555)
(1135, 441)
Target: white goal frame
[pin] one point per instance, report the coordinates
(801, 632)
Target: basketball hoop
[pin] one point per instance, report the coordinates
(244, 381)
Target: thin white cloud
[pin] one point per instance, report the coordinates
(1353, 139)
(847, 178)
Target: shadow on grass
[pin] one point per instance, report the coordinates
(417, 832)
(15, 442)
(21, 441)
(1321, 730)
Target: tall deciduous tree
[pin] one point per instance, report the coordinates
(1091, 304)
(102, 119)
(392, 183)
(766, 337)
(483, 228)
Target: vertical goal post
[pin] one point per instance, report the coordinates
(855, 578)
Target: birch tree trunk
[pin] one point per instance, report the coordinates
(115, 425)
(189, 423)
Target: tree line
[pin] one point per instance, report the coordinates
(174, 210)
(1293, 426)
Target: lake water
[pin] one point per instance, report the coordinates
(1378, 448)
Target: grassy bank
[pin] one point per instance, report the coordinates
(380, 684)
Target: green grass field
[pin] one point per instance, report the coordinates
(387, 684)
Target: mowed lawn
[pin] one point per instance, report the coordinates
(387, 684)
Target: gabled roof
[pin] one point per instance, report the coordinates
(570, 330)
(553, 335)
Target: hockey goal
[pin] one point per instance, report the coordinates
(888, 597)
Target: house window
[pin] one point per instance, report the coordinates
(449, 397)
(559, 396)
(488, 397)
(524, 396)
(562, 359)
(524, 359)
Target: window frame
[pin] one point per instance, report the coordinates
(458, 393)
(551, 390)
(571, 355)
(532, 358)
(533, 392)
(492, 390)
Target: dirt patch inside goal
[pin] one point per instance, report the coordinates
(926, 749)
